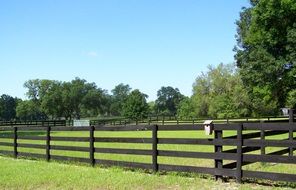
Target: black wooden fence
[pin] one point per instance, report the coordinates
(34, 123)
(246, 138)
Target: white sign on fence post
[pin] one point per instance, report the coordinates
(81, 123)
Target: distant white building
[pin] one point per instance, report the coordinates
(81, 123)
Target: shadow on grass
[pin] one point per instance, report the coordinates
(269, 183)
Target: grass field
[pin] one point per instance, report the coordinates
(28, 174)
(286, 168)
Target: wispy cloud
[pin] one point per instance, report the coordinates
(92, 54)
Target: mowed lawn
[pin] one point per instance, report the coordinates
(31, 174)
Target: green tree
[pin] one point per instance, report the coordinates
(52, 103)
(201, 95)
(74, 96)
(291, 100)
(263, 102)
(168, 100)
(118, 98)
(265, 51)
(59, 99)
(95, 102)
(29, 110)
(152, 108)
(186, 109)
(219, 93)
(135, 106)
(7, 107)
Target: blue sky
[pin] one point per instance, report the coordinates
(144, 43)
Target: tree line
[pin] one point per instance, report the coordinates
(51, 99)
(260, 82)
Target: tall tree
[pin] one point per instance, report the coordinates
(168, 99)
(219, 93)
(29, 110)
(95, 102)
(265, 51)
(7, 107)
(52, 103)
(118, 98)
(186, 109)
(135, 106)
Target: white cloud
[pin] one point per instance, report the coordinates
(92, 54)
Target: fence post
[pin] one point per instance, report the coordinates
(154, 148)
(15, 142)
(291, 115)
(218, 148)
(239, 153)
(91, 145)
(262, 137)
(162, 120)
(291, 121)
(48, 143)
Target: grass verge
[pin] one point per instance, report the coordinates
(34, 174)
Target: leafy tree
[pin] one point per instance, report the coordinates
(219, 93)
(67, 99)
(52, 103)
(118, 98)
(265, 51)
(29, 110)
(95, 102)
(263, 102)
(186, 109)
(201, 95)
(291, 100)
(74, 96)
(168, 99)
(135, 106)
(152, 108)
(37, 88)
(7, 107)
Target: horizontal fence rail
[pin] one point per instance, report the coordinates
(244, 139)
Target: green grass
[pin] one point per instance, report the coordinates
(30, 174)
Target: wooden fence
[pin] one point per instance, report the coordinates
(164, 120)
(160, 120)
(34, 123)
(245, 138)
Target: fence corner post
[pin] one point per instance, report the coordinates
(154, 148)
(91, 145)
(239, 154)
(15, 153)
(218, 149)
(48, 129)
